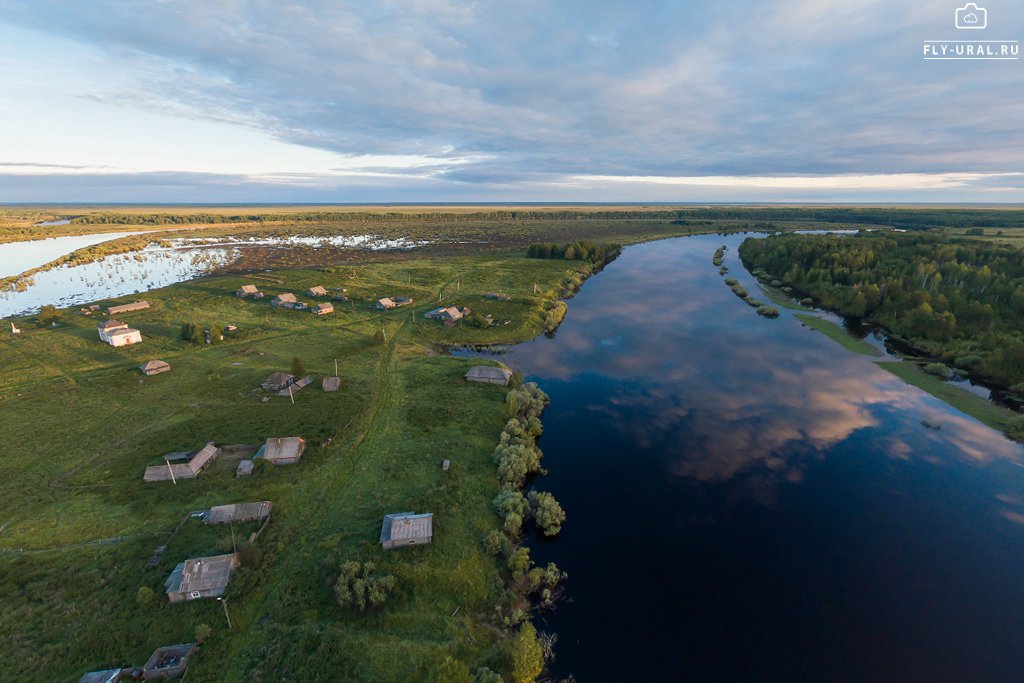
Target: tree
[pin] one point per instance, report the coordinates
(485, 675)
(47, 315)
(527, 655)
(203, 631)
(144, 596)
(360, 588)
(547, 512)
(449, 670)
(297, 368)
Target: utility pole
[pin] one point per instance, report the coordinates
(290, 395)
(226, 615)
(336, 368)
(171, 470)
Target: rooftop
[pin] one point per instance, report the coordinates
(401, 526)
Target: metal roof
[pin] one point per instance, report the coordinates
(403, 526)
(285, 448)
(202, 574)
(239, 512)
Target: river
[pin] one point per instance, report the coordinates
(747, 501)
(17, 257)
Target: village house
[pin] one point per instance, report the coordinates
(282, 451)
(447, 314)
(323, 309)
(296, 386)
(154, 367)
(249, 291)
(277, 381)
(487, 374)
(239, 512)
(169, 662)
(286, 300)
(406, 528)
(127, 308)
(172, 470)
(385, 304)
(316, 291)
(201, 577)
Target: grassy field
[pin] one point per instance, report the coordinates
(81, 424)
(838, 334)
(979, 408)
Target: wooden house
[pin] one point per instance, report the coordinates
(277, 381)
(406, 528)
(282, 451)
(154, 367)
(200, 577)
(190, 469)
(489, 374)
(286, 300)
(323, 309)
(109, 327)
(128, 308)
(169, 662)
(316, 291)
(447, 314)
(248, 291)
(239, 512)
(385, 304)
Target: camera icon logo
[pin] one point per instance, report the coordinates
(971, 17)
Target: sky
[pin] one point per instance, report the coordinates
(505, 101)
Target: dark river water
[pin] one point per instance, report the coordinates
(747, 501)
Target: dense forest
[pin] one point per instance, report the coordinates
(961, 300)
(583, 250)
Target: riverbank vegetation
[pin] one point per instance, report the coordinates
(838, 334)
(954, 300)
(80, 524)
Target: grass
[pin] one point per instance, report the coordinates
(81, 424)
(838, 334)
(981, 409)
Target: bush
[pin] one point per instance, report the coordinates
(203, 631)
(494, 543)
(47, 315)
(144, 596)
(485, 675)
(547, 513)
(939, 370)
(527, 655)
(554, 316)
(513, 508)
(298, 369)
(360, 588)
(1015, 429)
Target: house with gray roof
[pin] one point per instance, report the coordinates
(406, 528)
(200, 577)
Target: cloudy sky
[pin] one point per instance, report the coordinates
(504, 100)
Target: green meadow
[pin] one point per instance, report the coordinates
(81, 423)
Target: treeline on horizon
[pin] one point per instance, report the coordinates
(583, 250)
(957, 299)
(907, 218)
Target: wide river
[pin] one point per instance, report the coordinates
(747, 501)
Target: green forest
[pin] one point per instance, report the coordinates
(955, 299)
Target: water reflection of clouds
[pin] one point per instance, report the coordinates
(690, 370)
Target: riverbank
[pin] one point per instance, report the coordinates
(374, 447)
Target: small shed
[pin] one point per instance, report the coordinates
(125, 337)
(239, 512)
(332, 383)
(323, 309)
(447, 313)
(201, 577)
(169, 662)
(244, 468)
(489, 374)
(154, 367)
(283, 451)
(287, 299)
(128, 308)
(385, 304)
(247, 290)
(406, 528)
(277, 381)
(195, 463)
(317, 291)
